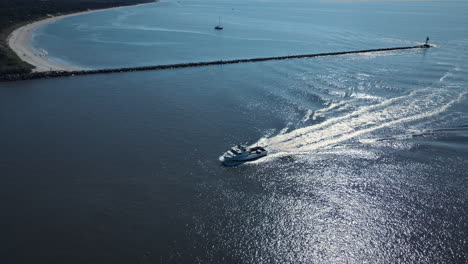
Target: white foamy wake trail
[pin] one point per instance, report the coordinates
(417, 105)
(448, 74)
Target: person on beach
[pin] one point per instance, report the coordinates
(427, 40)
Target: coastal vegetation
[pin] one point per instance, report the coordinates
(15, 13)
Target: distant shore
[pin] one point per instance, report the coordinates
(20, 42)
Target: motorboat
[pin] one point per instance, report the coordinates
(240, 154)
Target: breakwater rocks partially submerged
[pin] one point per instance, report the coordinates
(54, 74)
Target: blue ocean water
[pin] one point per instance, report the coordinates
(182, 31)
(368, 152)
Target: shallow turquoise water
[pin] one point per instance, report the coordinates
(369, 152)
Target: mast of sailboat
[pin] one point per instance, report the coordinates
(219, 27)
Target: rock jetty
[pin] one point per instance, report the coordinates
(55, 74)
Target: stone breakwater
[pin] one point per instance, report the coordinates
(54, 74)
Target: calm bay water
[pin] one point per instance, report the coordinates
(368, 152)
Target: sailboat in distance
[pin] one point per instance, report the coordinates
(219, 27)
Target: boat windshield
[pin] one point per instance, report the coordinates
(233, 150)
(237, 150)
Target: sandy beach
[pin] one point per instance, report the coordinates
(19, 42)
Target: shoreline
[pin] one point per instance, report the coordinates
(19, 42)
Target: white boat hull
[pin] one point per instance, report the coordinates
(247, 157)
(237, 156)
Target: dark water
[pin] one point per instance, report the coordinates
(368, 156)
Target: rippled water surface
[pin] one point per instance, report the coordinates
(368, 152)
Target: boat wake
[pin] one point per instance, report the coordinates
(394, 113)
